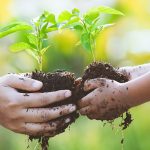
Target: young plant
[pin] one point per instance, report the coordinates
(89, 24)
(37, 39)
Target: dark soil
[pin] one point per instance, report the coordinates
(58, 80)
(104, 70)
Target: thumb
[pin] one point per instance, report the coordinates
(22, 83)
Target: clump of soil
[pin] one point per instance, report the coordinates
(59, 80)
(104, 70)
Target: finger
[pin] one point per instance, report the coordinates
(43, 99)
(47, 114)
(94, 83)
(22, 83)
(38, 129)
(87, 100)
(43, 129)
(85, 110)
(61, 125)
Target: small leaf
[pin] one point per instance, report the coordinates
(32, 38)
(34, 54)
(76, 12)
(95, 12)
(13, 27)
(44, 27)
(64, 16)
(44, 50)
(85, 40)
(52, 28)
(105, 9)
(78, 27)
(17, 47)
(91, 16)
(50, 17)
(72, 22)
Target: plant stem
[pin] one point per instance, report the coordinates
(92, 43)
(40, 63)
(93, 55)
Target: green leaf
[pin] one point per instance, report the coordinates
(76, 12)
(17, 47)
(44, 27)
(108, 10)
(32, 38)
(32, 53)
(50, 17)
(91, 16)
(85, 40)
(64, 16)
(52, 28)
(44, 50)
(72, 22)
(103, 9)
(13, 27)
(78, 27)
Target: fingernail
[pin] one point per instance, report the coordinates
(67, 93)
(37, 84)
(72, 109)
(67, 120)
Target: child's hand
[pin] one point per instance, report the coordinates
(108, 100)
(23, 113)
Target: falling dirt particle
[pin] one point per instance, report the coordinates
(26, 94)
(27, 110)
(122, 141)
(107, 86)
(127, 88)
(112, 81)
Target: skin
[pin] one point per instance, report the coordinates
(135, 71)
(24, 113)
(109, 99)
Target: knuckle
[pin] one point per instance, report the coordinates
(60, 95)
(12, 103)
(44, 98)
(45, 116)
(14, 117)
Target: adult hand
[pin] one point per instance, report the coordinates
(24, 113)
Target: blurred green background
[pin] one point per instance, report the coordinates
(126, 43)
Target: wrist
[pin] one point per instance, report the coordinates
(125, 95)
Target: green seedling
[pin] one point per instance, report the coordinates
(88, 24)
(37, 43)
(37, 37)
